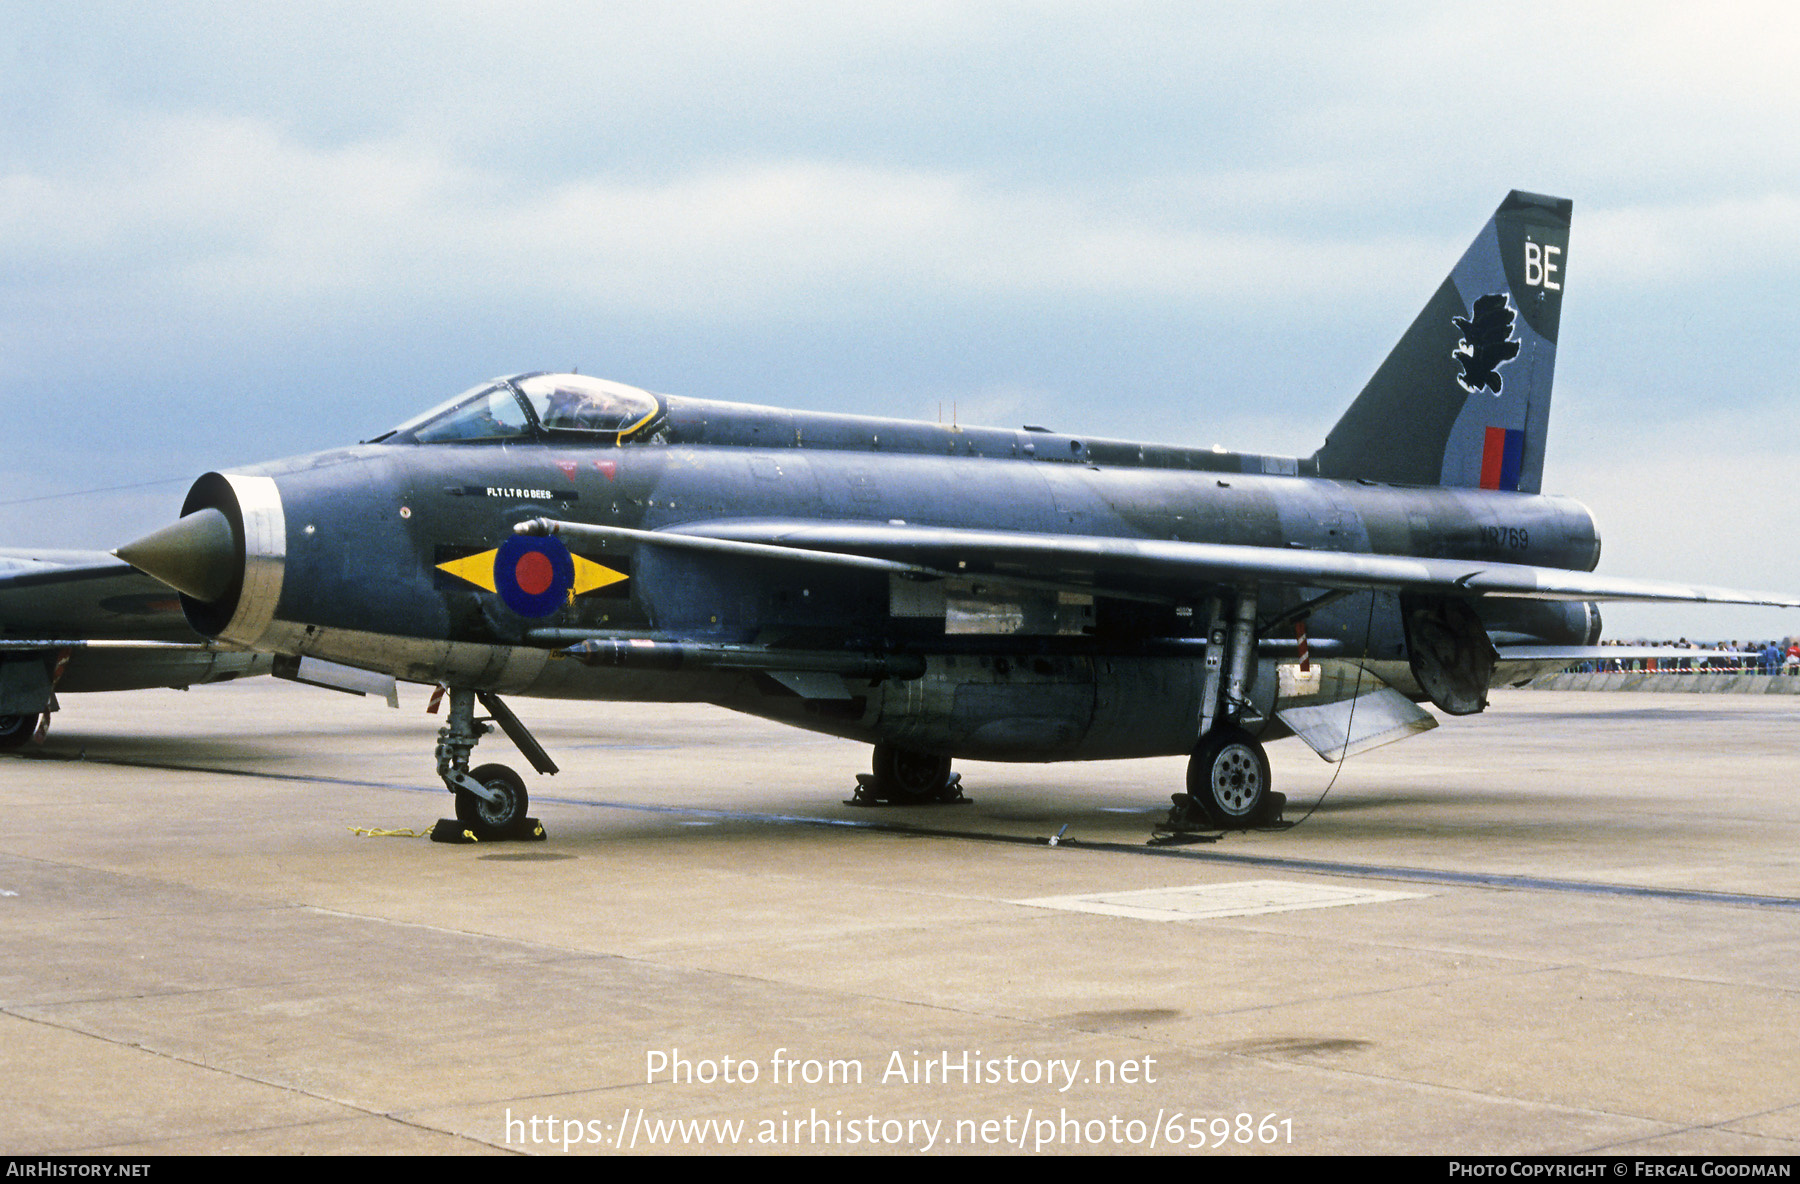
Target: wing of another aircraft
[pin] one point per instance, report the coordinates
(85, 594)
(1137, 568)
(85, 621)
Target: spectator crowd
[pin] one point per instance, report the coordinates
(1748, 657)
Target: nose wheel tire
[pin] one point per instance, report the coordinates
(499, 819)
(1229, 776)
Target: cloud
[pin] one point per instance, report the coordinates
(764, 162)
(232, 215)
(1681, 241)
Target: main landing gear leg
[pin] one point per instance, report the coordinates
(490, 800)
(1228, 774)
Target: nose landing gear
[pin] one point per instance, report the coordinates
(491, 800)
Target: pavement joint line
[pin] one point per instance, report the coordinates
(125, 1149)
(163, 1054)
(1723, 1124)
(1490, 880)
(359, 1111)
(393, 1116)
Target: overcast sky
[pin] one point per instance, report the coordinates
(230, 232)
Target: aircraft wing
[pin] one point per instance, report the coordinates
(85, 621)
(1138, 568)
(1519, 664)
(86, 595)
(1569, 655)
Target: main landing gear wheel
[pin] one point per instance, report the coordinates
(908, 777)
(15, 730)
(1228, 776)
(499, 819)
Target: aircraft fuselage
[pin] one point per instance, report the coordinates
(1008, 674)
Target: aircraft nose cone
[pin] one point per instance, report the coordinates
(197, 556)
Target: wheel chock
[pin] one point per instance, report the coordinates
(450, 830)
(865, 794)
(1188, 821)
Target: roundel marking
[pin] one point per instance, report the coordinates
(533, 575)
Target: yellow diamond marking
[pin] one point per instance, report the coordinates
(590, 575)
(477, 569)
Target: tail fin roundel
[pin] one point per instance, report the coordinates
(1464, 399)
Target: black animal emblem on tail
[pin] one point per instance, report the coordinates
(1487, 343)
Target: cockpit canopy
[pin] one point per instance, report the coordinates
(536, 407)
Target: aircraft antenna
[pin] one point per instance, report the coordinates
(50, 497)
(1349, 723)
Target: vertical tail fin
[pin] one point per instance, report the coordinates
(1464, 399)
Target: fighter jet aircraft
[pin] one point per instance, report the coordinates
(944, 591)
(84, 621)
